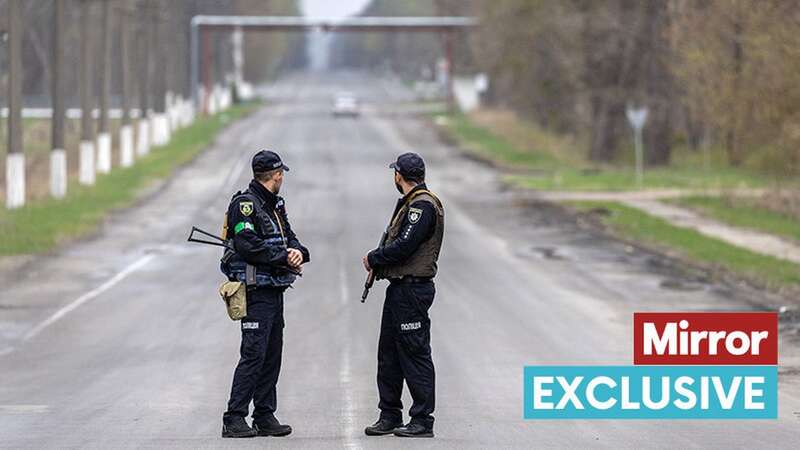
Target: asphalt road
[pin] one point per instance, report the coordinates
(120, 341)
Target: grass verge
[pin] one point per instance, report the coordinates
(631, 223)
(42, 225)
(543, 161)
(744, 213)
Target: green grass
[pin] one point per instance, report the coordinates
(622, 179)
(639, 226)
(551, 166)
(744, 213)
(42, 225)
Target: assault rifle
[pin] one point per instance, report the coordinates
(228, 245)
(371, 275)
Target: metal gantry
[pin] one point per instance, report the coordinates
(203, 24)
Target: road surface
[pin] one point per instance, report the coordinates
(120, 340)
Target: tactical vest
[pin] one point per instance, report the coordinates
(423, 262)
(271, 230)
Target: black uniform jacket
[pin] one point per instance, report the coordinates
(252, 247)
(411, 234)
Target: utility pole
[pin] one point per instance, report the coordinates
(143, 132)
(15, 159)
(58, 155)
(126, 149)
(86, 175)
(104, 80)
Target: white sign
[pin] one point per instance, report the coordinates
(636, 116)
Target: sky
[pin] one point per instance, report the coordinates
(332, 8)
(318, 43)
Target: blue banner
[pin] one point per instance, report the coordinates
(650, 392)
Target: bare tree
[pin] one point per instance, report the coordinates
(58, 158)
(104, 80)
(15, 168)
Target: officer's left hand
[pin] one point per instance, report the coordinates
(295, 258)
(365, 260)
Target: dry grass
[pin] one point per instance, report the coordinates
(781, 201)
(525, 135)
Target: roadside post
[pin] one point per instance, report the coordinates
(637, 118)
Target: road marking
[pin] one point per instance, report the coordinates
(233, 175)
(24, 409)
(346, 372)
(139, 263)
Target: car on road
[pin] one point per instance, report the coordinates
(345, 104)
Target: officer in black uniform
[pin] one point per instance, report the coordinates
(268, 258)
(408, 259)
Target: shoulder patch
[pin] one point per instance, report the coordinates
(246, 208)
(414, 215)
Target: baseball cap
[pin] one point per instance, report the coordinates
(410, 165)
(267, 160)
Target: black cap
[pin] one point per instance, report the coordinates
(267, 160)
(410, 165)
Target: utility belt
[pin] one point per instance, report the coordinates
(258, 277)
(410, 279)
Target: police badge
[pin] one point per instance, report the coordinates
(246, 208)
(414, 214)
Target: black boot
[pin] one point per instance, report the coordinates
(236, 427)
(382, 427)
(414, 430)
(269, 426)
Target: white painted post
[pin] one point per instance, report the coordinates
(104, 152)
(213, 100)
(172, 106)
(126, 146)
(86, 172)
(160, 125)
(15, 180)
(143, 135)
(188, 113)
(58, 173)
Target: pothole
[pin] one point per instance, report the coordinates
(674, 284)
(549, 253)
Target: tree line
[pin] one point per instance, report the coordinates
(131, 56)
(712, 73)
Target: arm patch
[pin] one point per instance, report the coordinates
(246, 208)
(241, 226)
(414, 214)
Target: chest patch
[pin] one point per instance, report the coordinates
(246, 208)
(414, 215)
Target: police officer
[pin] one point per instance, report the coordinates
(268, 257)
(408, 260)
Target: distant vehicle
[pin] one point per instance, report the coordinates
(345, 104)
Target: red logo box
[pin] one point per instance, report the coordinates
(701, 338)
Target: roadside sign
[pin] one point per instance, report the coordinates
(637, 118)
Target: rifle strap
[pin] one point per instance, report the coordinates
(408, 202)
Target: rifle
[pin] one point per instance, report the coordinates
(219, 242)
(371, 275)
